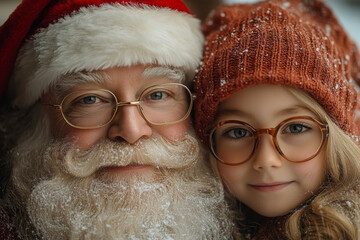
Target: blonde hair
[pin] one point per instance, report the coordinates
(334, 212)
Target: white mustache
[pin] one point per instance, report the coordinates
(155, 151)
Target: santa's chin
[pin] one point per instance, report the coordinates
(111, 174)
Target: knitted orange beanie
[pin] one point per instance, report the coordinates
(295, 43)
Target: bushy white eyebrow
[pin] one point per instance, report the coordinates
(69, 81)
(160, 71)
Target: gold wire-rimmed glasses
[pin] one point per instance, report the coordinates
(161, 104)
(297, 139)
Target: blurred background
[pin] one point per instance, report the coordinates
(347, 11)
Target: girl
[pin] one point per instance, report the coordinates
(277, 107)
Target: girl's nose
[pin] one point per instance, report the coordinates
(266, 154)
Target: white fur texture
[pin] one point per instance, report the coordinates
(97, 38)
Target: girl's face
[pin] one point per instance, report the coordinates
(268, 183)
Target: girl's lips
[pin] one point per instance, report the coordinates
(270, 187)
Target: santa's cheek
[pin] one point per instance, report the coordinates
(174, 131)
(86, 138)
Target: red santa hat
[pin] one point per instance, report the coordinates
(45, 39)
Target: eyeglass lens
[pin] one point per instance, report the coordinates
(297, 139)
(165, 103)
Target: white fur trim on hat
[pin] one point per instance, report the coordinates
(96, 38)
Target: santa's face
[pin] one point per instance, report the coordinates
(128, 125)
(126, 180)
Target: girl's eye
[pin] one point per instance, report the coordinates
(89, 100)
(296, 128)
(238, 133)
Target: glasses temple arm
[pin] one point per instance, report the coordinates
(56, 106)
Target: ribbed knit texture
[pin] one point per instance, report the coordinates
(291, 42)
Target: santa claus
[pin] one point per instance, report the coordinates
(97, 138)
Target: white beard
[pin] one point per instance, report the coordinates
(182, 200)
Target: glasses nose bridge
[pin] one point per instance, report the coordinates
(270, 131)
(134, 103)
